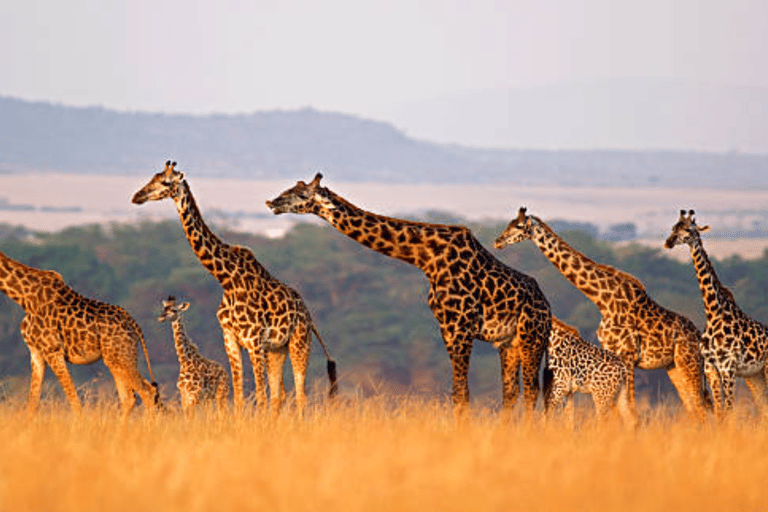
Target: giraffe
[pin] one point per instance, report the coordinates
(200, 378)
(733, 344)
(471, 294)
(633, 326)
(575, 365)
(257, 313)
(61, 326)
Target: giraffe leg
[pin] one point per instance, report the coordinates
(234, 354)
(36, 381)
(222, 390)
(459, 348)
(510, 375)
(715, 381)
(628, 390)
(626, 411)
(275, 361)
(728, 376)
(258, 356)
(533, 335)
(59, 367)
(757, 386)
(121, 358)
(686, 374)
(299, 349)
(124, 393)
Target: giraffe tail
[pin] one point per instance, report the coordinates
(149, 368)
(330, 365)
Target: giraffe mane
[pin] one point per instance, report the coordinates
(565, 327)
(394, 220)
(606, 268)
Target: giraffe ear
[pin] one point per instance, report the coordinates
(703, 229)
(316, 180)
(184, 306)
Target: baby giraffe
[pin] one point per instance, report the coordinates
(200, 378)
(575, 365)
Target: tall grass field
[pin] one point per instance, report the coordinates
(380, 453)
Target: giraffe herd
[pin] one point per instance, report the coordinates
(472, 294)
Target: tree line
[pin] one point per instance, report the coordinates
(370, 309)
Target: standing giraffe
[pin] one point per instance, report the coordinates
(633, 326)
(733, 345)
(200, 378)
(472, 294)
(577, 366)
(258, 313)
(61, 326)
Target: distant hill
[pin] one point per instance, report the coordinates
(38, 136)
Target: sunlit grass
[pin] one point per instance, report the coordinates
(382, 453)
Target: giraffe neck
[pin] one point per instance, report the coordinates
(716, 296)
(219, 258)
(185, 349)
(20, 282)
(416, 243)
(590, 277)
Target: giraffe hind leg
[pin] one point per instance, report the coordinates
(299, 349)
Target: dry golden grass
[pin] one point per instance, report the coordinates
(374, 454)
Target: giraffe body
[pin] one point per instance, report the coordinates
(471, 294)
(200, 379)
(633, 326)
(257, 313)
(61, 326)
(733, 345)
(577, 366)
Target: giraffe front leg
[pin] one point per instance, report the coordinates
(459, 348)
(59, 367)
(275, 360)
(232, 347)
(36, 380)
(258, 356)
(712, 373)
(510, 375)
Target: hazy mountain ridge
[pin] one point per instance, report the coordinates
(39, 136)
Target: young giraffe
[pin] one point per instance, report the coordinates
(472, 294)
(641, 332)
(200, 378)
(258, 313)
(575, 365)
(61, 326)
(733, 345)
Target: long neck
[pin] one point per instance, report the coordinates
(592, 279)
(185, 350)
(209, 248)
(416, 243)
(716, 296)
(18, 281)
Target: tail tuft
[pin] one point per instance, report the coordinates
(332, 378)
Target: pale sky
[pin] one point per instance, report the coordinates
(373, 59)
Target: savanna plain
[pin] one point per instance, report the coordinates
(377, 453)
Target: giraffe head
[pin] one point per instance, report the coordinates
(519, 229)
(172, 310)
(163, 184)
(302, 198)
(685, 231)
